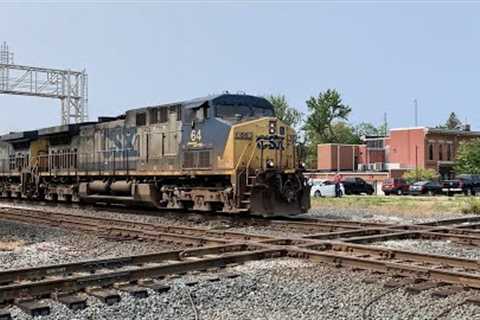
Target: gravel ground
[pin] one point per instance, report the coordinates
(444, 248)
(42, 245)
(275, 289)
(271, 289)
(360, 214)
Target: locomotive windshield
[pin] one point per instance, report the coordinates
(239, 112)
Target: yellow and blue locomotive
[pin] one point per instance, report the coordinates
(225, 153)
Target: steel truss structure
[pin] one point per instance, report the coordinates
(71, 87)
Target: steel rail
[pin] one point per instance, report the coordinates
(77, 282)
(23, 274)
(341, 259)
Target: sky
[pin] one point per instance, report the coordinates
(379, 55)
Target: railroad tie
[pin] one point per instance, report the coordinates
(447, 291)
(73, 301)
(109, 297)
(33, 307)
(473, 299)
(5, 315)
(135, 291)
(422, 286)
(157, 287)
(397, 283)
(191, 283)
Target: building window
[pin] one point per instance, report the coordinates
(449, 152)
(440, 152)
(430, 151)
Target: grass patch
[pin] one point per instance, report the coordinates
(402, 205)
(471, 206)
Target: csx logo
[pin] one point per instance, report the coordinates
(271, 143)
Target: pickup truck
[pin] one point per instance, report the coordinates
(468, 184)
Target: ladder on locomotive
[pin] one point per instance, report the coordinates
(250, 180)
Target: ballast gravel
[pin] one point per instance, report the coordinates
(40, 245)
(275, 289)
(444, 248)
(283, 288)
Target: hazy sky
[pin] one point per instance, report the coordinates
(380, 56)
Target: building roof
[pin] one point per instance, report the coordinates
(453, 132)
(441, 131)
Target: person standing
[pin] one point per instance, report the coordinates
(338, 191)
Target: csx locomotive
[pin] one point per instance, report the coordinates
(225, 153)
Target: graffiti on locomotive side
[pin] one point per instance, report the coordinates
(121, 141)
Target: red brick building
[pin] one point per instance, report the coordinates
(401, 150)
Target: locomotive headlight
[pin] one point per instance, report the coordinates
(270, 163)
(272, 127)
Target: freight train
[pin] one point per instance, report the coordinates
(226, 153)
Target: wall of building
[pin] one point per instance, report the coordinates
(333, 157)
(406, 147)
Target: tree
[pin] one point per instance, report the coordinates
(468, 157)
(344, 133)
(452, 123)
(420, 174)
(367, 129)
(284, 111)
(325, 110)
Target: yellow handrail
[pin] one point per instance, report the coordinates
(241, 156)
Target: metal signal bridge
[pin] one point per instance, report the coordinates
(71, 87)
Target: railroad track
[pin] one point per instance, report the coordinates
(338, 243)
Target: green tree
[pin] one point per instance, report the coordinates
(344, 133)
(452, 123)
(324, 111)
(367, 129)
(420, 174)
(284, 111)
(468, 157)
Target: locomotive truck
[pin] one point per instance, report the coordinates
(225, 153)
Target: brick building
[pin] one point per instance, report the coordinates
(403, 149)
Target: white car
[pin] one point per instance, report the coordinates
(324, 188)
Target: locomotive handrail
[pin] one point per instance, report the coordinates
(250, 160)
(241, 155)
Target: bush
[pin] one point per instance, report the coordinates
(420, 174)
(471, 206)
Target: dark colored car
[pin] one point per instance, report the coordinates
(451, 187)
(395, 186)
(426, 187)
(354, 185)
(470, 183)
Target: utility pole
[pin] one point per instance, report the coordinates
(415, 105)
(385, 124)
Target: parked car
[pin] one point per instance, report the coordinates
(471, 183)
(325, 188)
(451, 187)
(395, 186)
(354, 185)
(426, 187)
